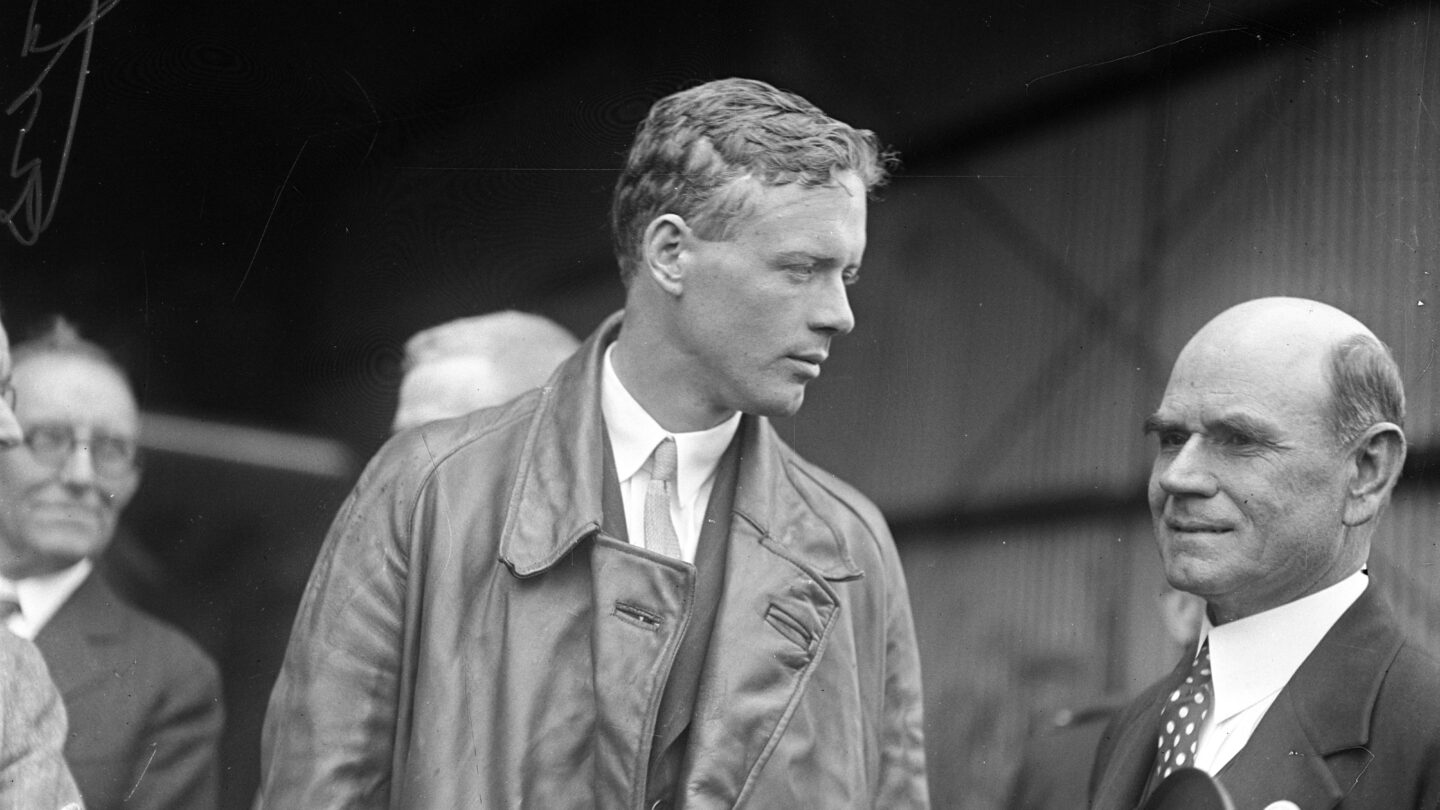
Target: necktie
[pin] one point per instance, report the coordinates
(1183, 714)
(659, 529)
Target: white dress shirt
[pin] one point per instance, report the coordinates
(40, 597)
(634, 433)
(1251, 660)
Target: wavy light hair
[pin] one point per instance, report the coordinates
(694, 145)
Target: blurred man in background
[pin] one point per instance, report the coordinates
(143, 701)
(472, 363)
(1279, 441)
(623, 589)
(33, 774)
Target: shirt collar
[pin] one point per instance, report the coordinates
(1254, 657)
(41, 597)
(634, 433)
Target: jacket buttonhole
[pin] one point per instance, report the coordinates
(638, 616)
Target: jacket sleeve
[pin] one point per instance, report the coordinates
(32, 734)
(329, 733)
(903, 782)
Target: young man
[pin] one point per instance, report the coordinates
(623, 590)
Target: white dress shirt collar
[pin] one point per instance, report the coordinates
(41, 597)
(1252, 659)
(634, 434)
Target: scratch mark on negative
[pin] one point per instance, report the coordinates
(1133, 55)
(153, 749)
(280, 192)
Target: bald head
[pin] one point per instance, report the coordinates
(1279, 442)
(472, 363)
(1303, 342)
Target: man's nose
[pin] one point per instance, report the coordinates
(832, 313)
(1186, 471)
(79, 467)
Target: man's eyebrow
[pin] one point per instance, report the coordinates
(1240, 423)
(1232, 423)
(1154, 423)
(804, 256)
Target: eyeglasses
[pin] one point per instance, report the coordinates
(53, 444)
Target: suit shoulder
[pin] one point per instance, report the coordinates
(1411, 678)
(176, 652)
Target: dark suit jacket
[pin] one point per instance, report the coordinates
(1356, 728)
(144, 705)
(33, 775)
(1055, 767)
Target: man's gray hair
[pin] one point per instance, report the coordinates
(513, 352)
(60, 338)
(695, 143)
(1365, 387)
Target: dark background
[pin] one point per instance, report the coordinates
(262, 200)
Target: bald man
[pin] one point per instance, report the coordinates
(1279, 441)
(471, 363)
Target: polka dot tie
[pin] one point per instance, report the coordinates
(1184, 712)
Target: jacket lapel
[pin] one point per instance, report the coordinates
(77, 639)
(1132, 755)
(1280, 762)
(775, 617)
(556, 499)
(1313, 739)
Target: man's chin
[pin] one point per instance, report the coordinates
(68, 540)
(780, 404)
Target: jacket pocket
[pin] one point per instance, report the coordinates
(790, 627)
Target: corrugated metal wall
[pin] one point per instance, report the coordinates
(1017, 321)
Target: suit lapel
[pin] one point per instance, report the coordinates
(77, 640)
(1132, 755)
(1280, 762)
(1313, 739)
(771, 628)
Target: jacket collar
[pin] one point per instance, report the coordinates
(1322, 713)
(556, 500)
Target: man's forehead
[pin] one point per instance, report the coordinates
(1240, 395)
(62, 387)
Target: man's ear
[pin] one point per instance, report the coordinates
(663, 246)
(1376, 459)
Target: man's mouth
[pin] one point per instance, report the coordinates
(1195, 526)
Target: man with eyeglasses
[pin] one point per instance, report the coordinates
(32, 717)
(143, 701)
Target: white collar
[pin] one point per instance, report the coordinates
(634, 433)
(1254, 657)
(40, 597)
